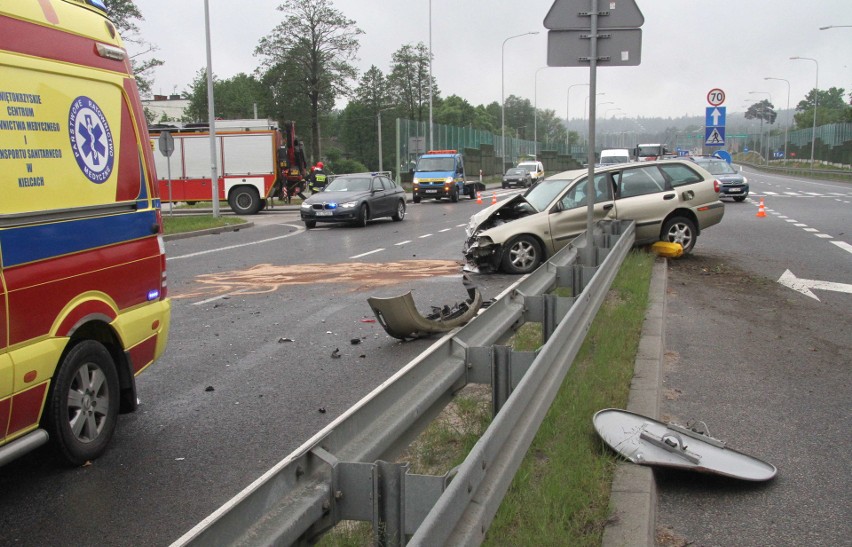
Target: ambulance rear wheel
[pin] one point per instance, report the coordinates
(244, 200)
(82, 409)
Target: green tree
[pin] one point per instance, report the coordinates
(763, 111)
(312, 48)
(409, 81)
(234, 98)
(455, 111)
(551, 129)
(831, 108)
(125, 14)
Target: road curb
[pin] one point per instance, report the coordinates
(633, 500)
(208, 231)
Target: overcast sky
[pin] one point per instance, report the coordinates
(688, 48)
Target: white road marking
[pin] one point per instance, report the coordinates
(444, 230)
(809, 229)
(793, 194)
(843, 245)
(403, 242)
(791, 220)
(824, 236)
(220, 297)
(299, 230)
(771, 193)
(804, 286)
(460, 225)
(367, 253)
(425, 236)
(800, 225)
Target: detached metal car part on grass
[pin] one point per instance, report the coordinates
(355, 199)
(734, 184)
(670, 200)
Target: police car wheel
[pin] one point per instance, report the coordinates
(363, 215)
(310, 224)
(400, 211)
(83, 405)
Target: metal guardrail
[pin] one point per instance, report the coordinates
(339, 474)
(822, 174)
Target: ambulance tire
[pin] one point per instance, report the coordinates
(82, 408)
(244, 200)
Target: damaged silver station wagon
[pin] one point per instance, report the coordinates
(670, 200)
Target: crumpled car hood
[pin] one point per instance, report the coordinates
(483, 216)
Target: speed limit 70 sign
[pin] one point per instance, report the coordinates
(716, 97)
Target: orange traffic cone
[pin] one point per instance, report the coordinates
(493, 198)
(761, 211)
(479, 198)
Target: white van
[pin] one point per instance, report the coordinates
(614, 156)
(536, 169)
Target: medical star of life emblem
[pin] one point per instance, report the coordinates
(91, 139)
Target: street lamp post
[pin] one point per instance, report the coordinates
(431, 140)
(816, 102)
(503, 95)
(787, 122)
(586, 109)
(568, 115)
(211, 116)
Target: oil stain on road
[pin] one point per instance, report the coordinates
(266, 278)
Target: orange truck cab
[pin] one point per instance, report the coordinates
(83, 300)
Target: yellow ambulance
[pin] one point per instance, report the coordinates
(83, 302)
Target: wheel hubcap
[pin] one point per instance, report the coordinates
(523, 255)
(88, 403)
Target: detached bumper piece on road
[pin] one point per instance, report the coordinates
(400, 318)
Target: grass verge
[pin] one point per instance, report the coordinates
(181, 224)
(560, 494)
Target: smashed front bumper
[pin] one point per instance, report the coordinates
(481, 255)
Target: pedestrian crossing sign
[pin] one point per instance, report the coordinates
(714, 136)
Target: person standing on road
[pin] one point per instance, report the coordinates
(318, 178)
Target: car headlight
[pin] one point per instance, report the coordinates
(416, 180)
(745, 180)
(448, 180)
(349, 204)
(306, 205)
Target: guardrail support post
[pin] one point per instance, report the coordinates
(501, 376)
(389, 504)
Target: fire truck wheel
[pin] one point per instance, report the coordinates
(83, 405)
(263, 204)
(244, 200)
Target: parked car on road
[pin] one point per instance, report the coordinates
(517, 176)
(734, 184)
(536, 169)
(670, 200)
(355, 199)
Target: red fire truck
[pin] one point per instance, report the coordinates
(257, 162)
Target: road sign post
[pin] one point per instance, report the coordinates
(714, 118)
(610, 36)
(167, 147)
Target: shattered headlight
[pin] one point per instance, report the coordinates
(470, 228)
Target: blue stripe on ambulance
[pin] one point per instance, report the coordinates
(31, 243)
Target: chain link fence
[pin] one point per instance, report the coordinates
(483, 150)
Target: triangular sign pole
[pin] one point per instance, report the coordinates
(593, 87)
